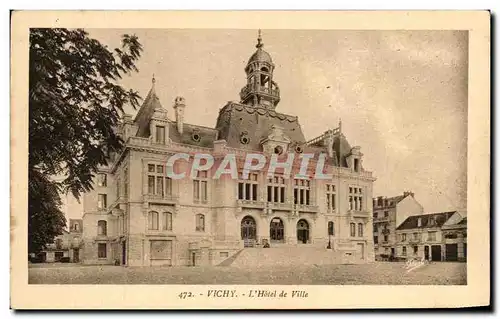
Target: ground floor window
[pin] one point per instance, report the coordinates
(277, 229)
(58, 255)
(331, 229)
(101, 250)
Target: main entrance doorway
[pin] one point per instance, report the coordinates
(277, 230)
(436, 253)
(248, 231)
(302, 231)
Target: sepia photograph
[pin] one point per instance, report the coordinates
(284, 157)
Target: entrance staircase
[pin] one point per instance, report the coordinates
(284, 256)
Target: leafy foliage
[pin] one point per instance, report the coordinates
(75, 105)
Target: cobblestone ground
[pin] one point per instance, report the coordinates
(379, 273)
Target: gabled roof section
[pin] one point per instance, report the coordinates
(427, 220)
(146, 111)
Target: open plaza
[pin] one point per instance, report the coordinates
(378, 273)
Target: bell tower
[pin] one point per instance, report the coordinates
(260, 90)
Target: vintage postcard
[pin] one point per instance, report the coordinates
(250, 160)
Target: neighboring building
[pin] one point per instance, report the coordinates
(455, 238)
(137, 216)
(388, 214)
(66, 245)
(425, 236)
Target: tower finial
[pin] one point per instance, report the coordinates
(153, 80)
(340, 125)
(259, 40)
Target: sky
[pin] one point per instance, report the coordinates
(401, 95)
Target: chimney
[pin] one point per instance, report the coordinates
(179, 106)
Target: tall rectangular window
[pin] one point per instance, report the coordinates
(404, 250)
(158, 183)
(101, 250)
(200, 187)
(330, 197)
(102, 201)
(331, 229)
(167, 221)
(355, 198)
(247, 189)
(125, 182)
(431, 236)
(403, 237)
(301, 191)
(360, 230)
(153, 221)
(102, 180)
(160, 134)
(118, 188)
(353, 229)
(276, 189)
(200, 222)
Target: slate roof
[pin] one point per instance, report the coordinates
(207, 134)
(236, 119)
(412, 221)
(260, 55)
(394, 200)
(145, 113)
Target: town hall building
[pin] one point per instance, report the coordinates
(138, 216)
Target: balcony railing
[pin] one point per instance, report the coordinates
(250, 203)
(256, 88)
(307, 208)
(386, 231)
(280, 206)
(357, 213)
(165, 199)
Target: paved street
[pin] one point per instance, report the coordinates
(365, 274)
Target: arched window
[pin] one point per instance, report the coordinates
(353, 229)
(200, 222)
(277, 229)
(102, 228)
(153, 221)
(331, 230)
(360, 230)
(167, 221)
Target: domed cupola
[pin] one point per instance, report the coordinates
(261, 90)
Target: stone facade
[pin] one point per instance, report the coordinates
(68, 245)
(137, 215)
(434, 237)
(388, 214)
